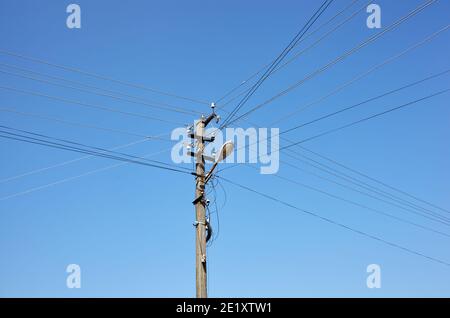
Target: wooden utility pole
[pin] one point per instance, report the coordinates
(200, 242)
(200, 202)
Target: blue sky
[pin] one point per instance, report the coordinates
(130, 227)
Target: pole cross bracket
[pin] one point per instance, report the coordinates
(197, 199)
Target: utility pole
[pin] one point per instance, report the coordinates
(200, 203)
(200, 207)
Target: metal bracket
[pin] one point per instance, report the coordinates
(197, 199)
(206, 157)
(196, 223)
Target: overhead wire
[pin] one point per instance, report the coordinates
(38, 141)
(278, 60)
(244, 82)
(84, 125)
(352, 81)
(80, 144)
(404, 204)
(301, 52)
(335, 61)
(134, 100)
(373, 179)
(367, 118)
(426, 211)
(362, 75)
(64, 163)
(89, 105)
(64, 180)
(364, 206)
(339, 224)
(102, 77)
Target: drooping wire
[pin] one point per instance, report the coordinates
(214, 181)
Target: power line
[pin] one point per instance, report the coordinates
(368, 100)
(64, 121)
(374, 179)
(59, 140)
(406, 205)
(429, 215)
(378, 191)
(89, 105)
(341, 225)
(38, 141)
(353, 170)
(268, 64)
(337, 60)
(142, 102)
(68, 179)
(390, 197)
(102, 77)
(334, 196)
(275, 63)
(373, 197)
(301, 52)
(396, 90)
(367, 118)
(362, 75)
(64, 163)
(331, 160)
(31, 140)
(429, 38)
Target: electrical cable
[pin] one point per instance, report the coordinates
(341, 225)
(275, 63)
(102, 77)
(335, 61)
(231, 91)
(89, 105)
(142, 102)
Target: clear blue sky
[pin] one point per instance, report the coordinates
(130, 228)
